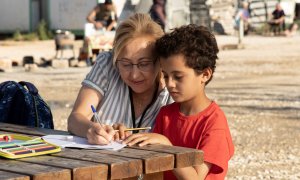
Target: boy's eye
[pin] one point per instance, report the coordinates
(177, 77)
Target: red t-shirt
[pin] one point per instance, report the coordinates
(207, 131)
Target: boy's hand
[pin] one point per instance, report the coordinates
(143, 139)
(121, 134)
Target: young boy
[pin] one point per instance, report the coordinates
(188, 60)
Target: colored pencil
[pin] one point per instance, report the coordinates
(135, 129)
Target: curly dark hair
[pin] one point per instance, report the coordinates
(196, 43)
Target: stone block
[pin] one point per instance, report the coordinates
(5, 64)
(82, 64)
(73, 63)
(31, 67)
(60, 64)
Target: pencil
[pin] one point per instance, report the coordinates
(135, 129)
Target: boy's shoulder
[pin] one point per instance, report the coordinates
(172, 106)
(216, 116)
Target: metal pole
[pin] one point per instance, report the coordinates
(241, 31)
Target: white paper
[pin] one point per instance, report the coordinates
(79, 142)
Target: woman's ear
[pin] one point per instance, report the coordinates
(206, 75)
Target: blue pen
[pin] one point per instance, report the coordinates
(97, 118)
(95, 114)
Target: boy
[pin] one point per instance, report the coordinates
(188, 57)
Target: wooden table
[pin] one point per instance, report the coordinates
(80, 164)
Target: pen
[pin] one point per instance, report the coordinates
(97, 118)
(95, 115)
(135, 129)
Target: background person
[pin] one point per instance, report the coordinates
(243, 15)
(277, 22)
(104, 15)
(124, 85)
(98, 32)
(158, 12)
(194, 120)
(292, 30)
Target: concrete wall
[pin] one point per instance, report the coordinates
(178, 13)
(69, 15)
(14, 14)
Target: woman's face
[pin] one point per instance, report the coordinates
(136, 65)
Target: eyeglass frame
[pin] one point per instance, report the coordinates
(136, 64)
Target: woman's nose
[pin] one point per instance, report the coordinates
(135, 72)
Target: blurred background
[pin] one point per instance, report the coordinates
(256, 82)
(28, 16)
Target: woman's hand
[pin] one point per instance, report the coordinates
(121, 134)
(143, 139)
(100, 134)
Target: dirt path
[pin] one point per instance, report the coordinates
(257, 87)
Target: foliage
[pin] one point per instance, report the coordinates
(30, 37)
(17, 36)
(42, 33)
(262, 29)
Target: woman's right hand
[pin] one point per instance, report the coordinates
(100, 134)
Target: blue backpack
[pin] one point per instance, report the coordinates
(20, 103)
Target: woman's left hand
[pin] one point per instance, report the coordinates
(143, 139)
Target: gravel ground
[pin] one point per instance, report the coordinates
(257, 87)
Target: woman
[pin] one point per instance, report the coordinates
(124, 85)
(104, 15)
(158, 12)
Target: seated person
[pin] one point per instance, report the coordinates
(292, 30)
(102, 20)
(104, 15)
(277, 22)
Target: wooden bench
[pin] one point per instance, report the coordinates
(79, 164)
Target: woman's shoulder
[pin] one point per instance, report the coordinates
(165, 97)
(104, 58)
(103, 66)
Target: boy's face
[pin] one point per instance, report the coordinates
(182, 81)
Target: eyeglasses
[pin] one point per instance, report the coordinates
(144, 66)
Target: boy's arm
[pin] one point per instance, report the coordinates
(192, 172)
(143, 139)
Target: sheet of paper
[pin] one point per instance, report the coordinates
(79, 142)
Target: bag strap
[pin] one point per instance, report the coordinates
(31, 88)
(33, 91)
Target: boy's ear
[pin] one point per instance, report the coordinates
(206, 74)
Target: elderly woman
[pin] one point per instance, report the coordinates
(124, 85)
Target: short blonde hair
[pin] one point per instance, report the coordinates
(135, 26)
